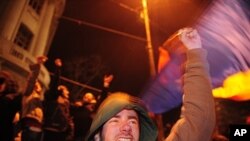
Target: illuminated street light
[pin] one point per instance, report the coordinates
(149, 42)
(158, 117)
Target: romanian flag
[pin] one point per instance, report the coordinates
(225, 32)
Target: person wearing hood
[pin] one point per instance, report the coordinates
(122, 117)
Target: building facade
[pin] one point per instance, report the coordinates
(27, 28)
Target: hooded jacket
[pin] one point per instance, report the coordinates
(115, 103)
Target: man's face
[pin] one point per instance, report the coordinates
(124, 126)
(65, 93)
(38, 87)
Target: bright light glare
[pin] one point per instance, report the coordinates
(235, 87)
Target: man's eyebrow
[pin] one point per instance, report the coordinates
(133, 117)
(129, 117)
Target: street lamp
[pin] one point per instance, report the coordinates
(158, 117)
(149, 41)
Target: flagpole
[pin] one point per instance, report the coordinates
(157, 117)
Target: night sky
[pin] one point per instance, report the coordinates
(107, 52)
(95, 52)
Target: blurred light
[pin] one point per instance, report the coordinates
(235, 87)
(142, 15)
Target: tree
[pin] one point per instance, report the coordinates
(87, 70)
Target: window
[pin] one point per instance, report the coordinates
(23, 37)
(36, 5)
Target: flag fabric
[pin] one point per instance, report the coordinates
(225, 32)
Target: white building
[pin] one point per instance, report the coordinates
(27, 28)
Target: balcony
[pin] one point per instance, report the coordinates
(21, 58)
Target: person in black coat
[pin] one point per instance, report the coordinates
(10, 104)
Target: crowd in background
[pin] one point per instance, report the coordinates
(35, 115)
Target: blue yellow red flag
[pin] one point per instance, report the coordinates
(225, 32)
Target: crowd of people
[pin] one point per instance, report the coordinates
(116, 116)
(38, 115)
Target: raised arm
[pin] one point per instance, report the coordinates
(52, 94)
(107, 79)
(197, 119)
(34, 72)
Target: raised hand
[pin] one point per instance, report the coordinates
(41, 59)
(58, 62)
(107, 80)
(190, 38)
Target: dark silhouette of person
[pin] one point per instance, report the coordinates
(58, 124)
(10, 104)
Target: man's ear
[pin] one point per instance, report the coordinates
(97, 136)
